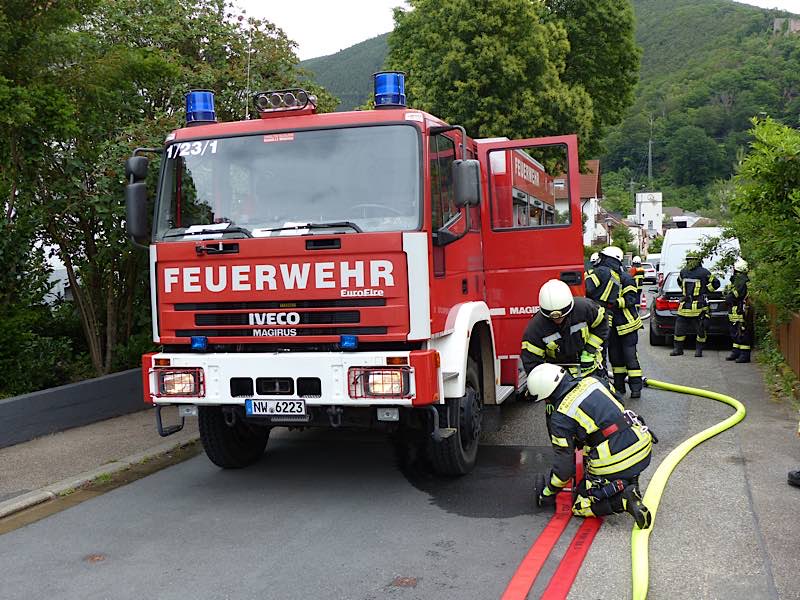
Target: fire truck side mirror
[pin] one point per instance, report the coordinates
(136, 168)
(136, 211)
(467, 182)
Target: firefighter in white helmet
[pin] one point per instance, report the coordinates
(565, 330)
(637, 272)
(582, 413)
(740, 315)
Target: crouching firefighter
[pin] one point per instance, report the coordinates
(565, 330)
(617, 444)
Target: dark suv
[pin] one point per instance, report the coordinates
(664, 309)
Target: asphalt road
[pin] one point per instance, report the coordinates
(332, 515)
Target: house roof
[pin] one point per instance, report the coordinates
(590, 182)
(673, 211)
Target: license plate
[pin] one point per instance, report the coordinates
(295, 408)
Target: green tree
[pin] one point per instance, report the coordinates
(603, 57)
(494, 67)
(622, 237)
(766, 213)
(123, 87)
(694, 157)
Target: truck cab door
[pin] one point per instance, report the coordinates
(532, 232)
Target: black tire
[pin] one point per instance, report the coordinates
(456, 455)
(230, 447)
(655, 339)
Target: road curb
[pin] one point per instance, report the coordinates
(52, 491)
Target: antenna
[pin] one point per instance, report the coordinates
(247, 87)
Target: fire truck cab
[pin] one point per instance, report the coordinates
(369, 269)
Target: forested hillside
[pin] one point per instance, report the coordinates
(348, 73)
(707, 68)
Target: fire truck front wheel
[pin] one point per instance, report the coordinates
(230, 443)
(456, 454)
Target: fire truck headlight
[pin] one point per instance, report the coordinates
(366, 382)
(180, 382)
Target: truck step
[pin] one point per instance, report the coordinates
(504, 392)
(449, 375)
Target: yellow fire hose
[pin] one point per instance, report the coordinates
(640, 573)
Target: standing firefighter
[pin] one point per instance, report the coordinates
(696, 282)
(637, 272)
(583, 414)
(739, 314)
(625, 326)
(566, 330)
(603, 286)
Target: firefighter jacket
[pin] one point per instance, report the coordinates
(583, 330)
(602, 285)
(695, 284)
(737, 297)
(638, 277)
(584, 414)
(626, 314)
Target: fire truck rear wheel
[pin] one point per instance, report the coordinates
(230, 447)
(456, 454)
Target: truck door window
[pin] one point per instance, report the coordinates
(442, 153)
(529, 188)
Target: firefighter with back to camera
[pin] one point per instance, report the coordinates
(565, 330)
(625, 326)
(582, 413)
(693, 312)
(602, 285)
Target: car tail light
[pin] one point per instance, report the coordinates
(663, 303)
(379, 382)
(180, 383)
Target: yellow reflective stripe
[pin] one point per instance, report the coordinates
(619, 369)
(558, 441)
(533, 349)
(628, 289)
(607, 292)
(593, 277)
(635, 372)
(743, 347)
(603, 451)
(585, 421)
(594, 341)
(680, 338)
(556, 482)
(622, 460)
(601, 314)
(577, 394)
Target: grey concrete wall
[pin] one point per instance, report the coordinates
(23, 418)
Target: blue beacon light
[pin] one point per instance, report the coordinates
(348, 342)
(199, 343)
(390, 89)
(200, 107)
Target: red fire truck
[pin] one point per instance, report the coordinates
(367, 269)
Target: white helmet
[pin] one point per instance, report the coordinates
(740, 265)
(555, 299)
(594, 258)
(637, 260)
(613, 252)
(543, 381)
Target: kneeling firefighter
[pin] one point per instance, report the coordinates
(582, 413)
(565, 330)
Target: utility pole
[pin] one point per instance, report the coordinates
(650, 157)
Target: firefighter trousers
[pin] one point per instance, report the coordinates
(689, 325)
(741, 336)
(588, 503)
(625, 361)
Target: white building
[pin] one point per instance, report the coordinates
(650, 213)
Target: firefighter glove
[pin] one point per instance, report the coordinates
(587, 361)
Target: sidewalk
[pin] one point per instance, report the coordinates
(32, 465)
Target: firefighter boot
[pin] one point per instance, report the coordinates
(678, 349)
(632, 503)
(734, 354)
(744, 357)
(619, 382)
(698, 350)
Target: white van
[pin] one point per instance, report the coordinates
(679, 241)
(653, 259)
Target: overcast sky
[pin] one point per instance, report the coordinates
(322, 27)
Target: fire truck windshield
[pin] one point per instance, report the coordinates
(350, 179)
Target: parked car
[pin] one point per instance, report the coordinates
(664, 310)
(649, 273)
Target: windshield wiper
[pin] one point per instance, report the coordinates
(246, 232)
(331, 225)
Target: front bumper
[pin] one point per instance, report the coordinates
(331, 369)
